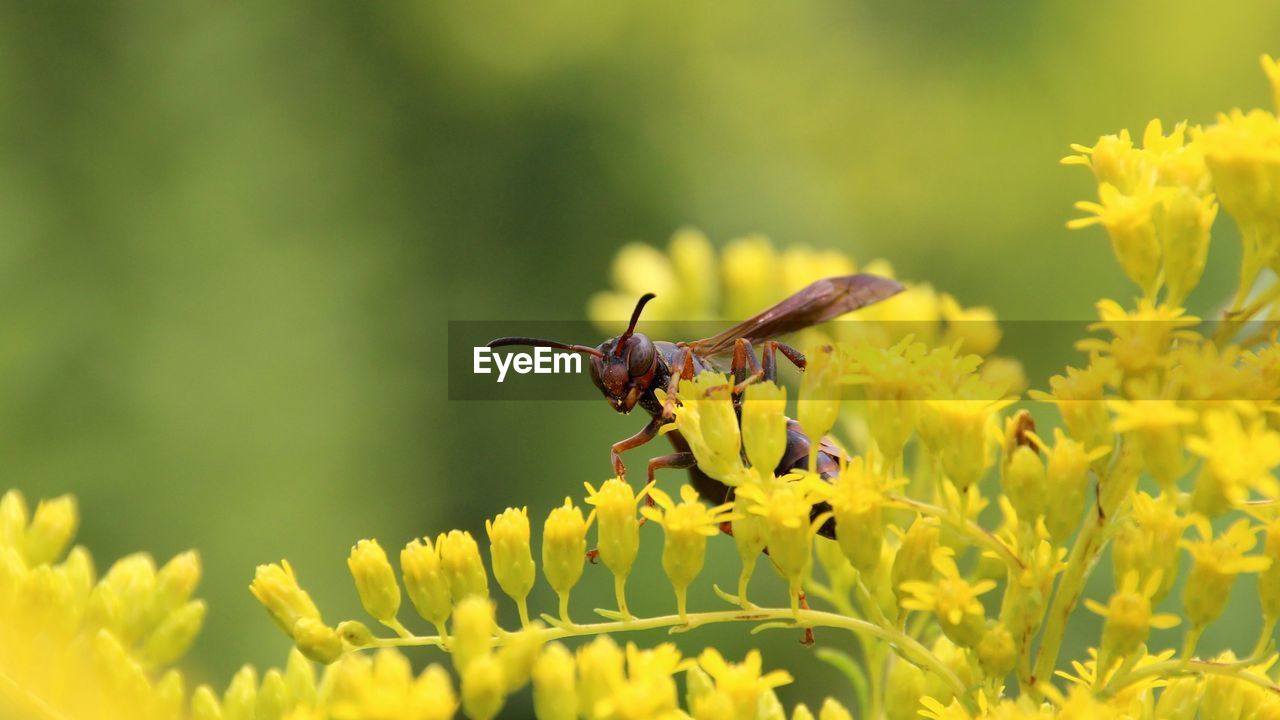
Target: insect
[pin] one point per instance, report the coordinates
(629, 368)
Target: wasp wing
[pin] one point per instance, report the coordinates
(821, 301)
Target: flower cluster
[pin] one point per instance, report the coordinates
(931, 517)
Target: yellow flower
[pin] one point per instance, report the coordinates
(276, 587)
(764, 427)
(857, 496)
(1155, 427)
(1141, 339)
(914, 560)
(461, 563)
(564, 550)
(1216, 561)
(1237, 460)
(649, 690)
(819, 402)
(706, 419)
(975, 329)
(741, 684)
(375, 581)
(511, 556)
(617, 531)
(601, 669)
(382, 686)
(1127, 219)
(686, 526)
(555, 695)
(958, 430)
(1147, 542)
(787, 511)
(952, 599)
(1113, 159)
(1079, 397)
(425, 581)
(473, 630)
(1066, 483)
(1128, 618)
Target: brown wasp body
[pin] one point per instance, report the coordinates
(629, 368)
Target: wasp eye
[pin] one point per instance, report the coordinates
(640, 356)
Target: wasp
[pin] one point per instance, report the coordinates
(630, 368)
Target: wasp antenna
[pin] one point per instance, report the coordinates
(635, 317)
(538, 342)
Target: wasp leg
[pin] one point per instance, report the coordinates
(746, 369)
(771, 350)
(685, 361)
(676, 461)
(647, 433)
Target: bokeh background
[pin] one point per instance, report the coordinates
(231, 235)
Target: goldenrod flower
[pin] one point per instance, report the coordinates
(741, 683)
(617, 531)
(764, 427)
(1113, 159)
(952, 599)
(1147, 543)
(818, 405)
(958, 431)
(857, 496)
(788, 527)
(1128, 618)
(975, 330)
(706, 419)
(1269, 579)
(555, 695)
(1067, 483)
(1079, 397)
(1216, 561)
(914, 561)
(1023, 480)
(833, 710)
(997, 654)
(473, 630)
(686, 526)
(601, 669)
(564, 550)
(1237, 460)
(1128, 221)
(892, 380)
(649, 690)
(511, 556)
(1141, 339)
(383, 686)
(461, 563)
(52, 527)
(484, 688)
(276, 587)
(426, 582)
(316, 640)
(375, 582)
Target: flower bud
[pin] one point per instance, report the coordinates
(176, 581)
(170, 695)
(833, 710)
(433, 694)
(51, 530)
(857, 502)
(820, 387)
(1067, 486)
(787, 529)
(764, 427)
(555, 694)
(957, 433)
(802, 712)
(1024, 484)
(241, 698)
(483, 688)
(316, 640)
(518, 654)
(686, 527)
(914, 560)
(272, 697)
(749, 539)
(706, 419)
(131, 582)
(473, 629)
(174, 635)
(14, 517)
(600, 672)
(903, 690)
(205, 705)
(1216, 561)
(355, 633)
(300, 678)
(1180, 699)
(375, 581)
(1184, 225)
(1222, 697)
(277, 589)
(617, 532)
(79, 570)
(425, 581)
(997, 653)
(511, 557)
(564, 550)
(460, 560)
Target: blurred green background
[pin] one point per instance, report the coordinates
(232, 234)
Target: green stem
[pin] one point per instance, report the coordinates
(620, 589)
(1083, 553)
(909, 647)
(1181, 667)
